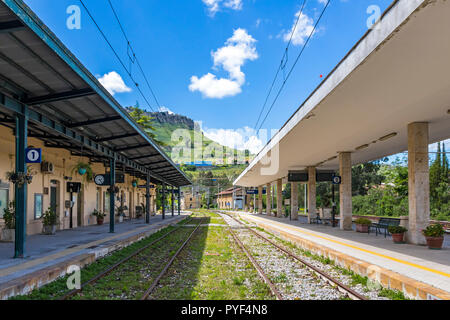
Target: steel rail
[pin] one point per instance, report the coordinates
(117, 264)
(262, 274)
(341, 287)
(163, 272)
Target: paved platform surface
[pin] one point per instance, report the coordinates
(47, 251)
(431, 267)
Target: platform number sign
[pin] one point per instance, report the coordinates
(33, 155)
(337, 179)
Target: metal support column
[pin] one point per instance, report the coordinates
(147, 199)
(21, 191)
(179, 201)
(164, 201)
(112, 194)
(173, 202)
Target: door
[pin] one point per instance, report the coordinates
(80, 208)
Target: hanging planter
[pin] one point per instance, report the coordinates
(134, 183)
(20, 178)
(84, 170)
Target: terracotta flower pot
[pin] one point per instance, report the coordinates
(398, 237)
(362, 228)
(435, 243)
(100, 221)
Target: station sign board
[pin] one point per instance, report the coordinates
(298, 176)
(252, 191)
(105, 179)
(33, 155)
(143, 186)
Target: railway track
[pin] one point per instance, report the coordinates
(92, 281)
(319, 273)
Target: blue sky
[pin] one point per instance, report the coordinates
(212, 60)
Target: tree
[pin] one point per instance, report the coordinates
(145, 121)
(365, 176)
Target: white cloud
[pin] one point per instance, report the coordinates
(215, 5)
(114, 83)
(237, 50)
(241, 139)
(303, 30)
(165, 109)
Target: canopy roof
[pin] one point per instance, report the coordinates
(395, 75)
(37, 70)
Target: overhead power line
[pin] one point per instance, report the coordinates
(282, 63)
(117, 55)
(293, 66)
(134, 57)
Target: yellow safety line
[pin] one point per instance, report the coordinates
(361, 249)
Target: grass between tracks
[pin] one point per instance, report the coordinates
(58, 288)
(212, 267)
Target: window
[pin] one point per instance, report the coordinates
(38, 207)
(106, 204)
(4, 199)
(97, 204)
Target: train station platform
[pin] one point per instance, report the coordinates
(48, 257)
(420, 273)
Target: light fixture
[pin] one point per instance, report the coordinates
(364, 146)
(389, 136)
(448, 111)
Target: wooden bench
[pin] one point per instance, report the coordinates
(384, 224)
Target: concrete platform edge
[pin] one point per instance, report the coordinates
(411, 288)
(26, 284)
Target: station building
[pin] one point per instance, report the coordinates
(50, 101)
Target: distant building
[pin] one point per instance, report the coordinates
(191, 199)
(232, 198)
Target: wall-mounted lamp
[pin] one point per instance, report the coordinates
(389, 136)
(364, 146)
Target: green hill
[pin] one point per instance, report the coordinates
(165, 124)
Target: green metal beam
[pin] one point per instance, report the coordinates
(21, 191)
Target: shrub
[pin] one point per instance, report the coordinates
(49, 217)
(98, 214)
(434, 230)
(363, 221)
(397, 229)
(10, 216)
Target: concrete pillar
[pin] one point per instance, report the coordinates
(280, 198)
(311, 193)
(260, 200)
(419, 181)
(345, 190)
(269, 200)
(294, 200)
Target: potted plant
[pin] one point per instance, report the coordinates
(100, 216)
(84, 170)
(363, 225)
(434, 234)
(8, 233)
(121, 212)
(398, 233)
(49, 222)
